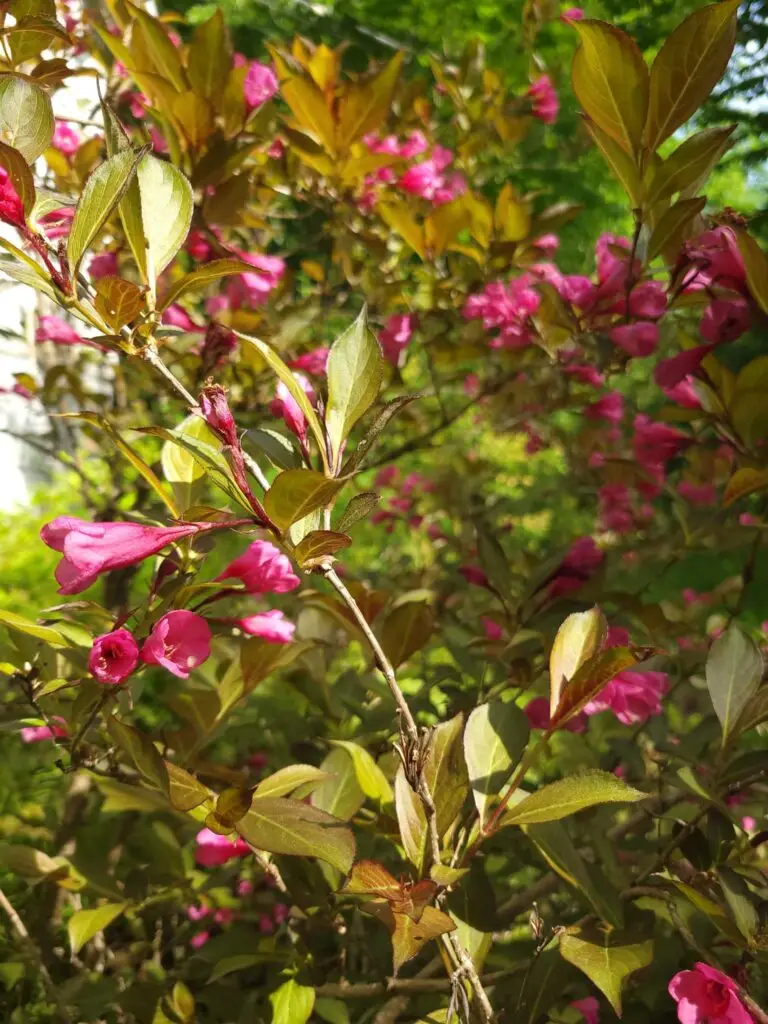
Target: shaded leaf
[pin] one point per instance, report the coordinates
(279, 449)
(341, 795)
(142, 752)
(151, 38)
(445, 770)
(411, 820)
(317, 546)
(569, 795)
(359, 507)
(281, 825)
(743, 482)
(621, 164)
(756, 266)
(20, 176)
(578, 640)
(365, 103)
(118, 301)
(674, 226)
(405, 630)
(185, 791)
(733, 671)
(408, 936)
(689, 166)
(209, 58)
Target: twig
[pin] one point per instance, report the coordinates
(412, 764)
(413, 986)
(269, 868)
(26, 940)
(255, 469)
(150, 354)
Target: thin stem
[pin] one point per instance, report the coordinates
(150, 354)
(413, 986)
(26, 940)
(256, 470)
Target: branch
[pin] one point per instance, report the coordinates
(413, 986)
(26, 940)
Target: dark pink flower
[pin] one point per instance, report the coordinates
(395, 335)
(544, 102)
(11, 206)
(386, 477)
(179, 642)
(313, 362)
(175, 316)
(638, 339)
(253, 288)
(697, 494)
(113, 656)
(244, 888)
(647, 301)
(53, 328)
(684, 394)
(217, 414)
(715, 259)
(474, 574)
(655, 443)
(609, 407)
(615, 508)
(670, 372)
(271, 626)
(589, 1008)
(224, 916)
(259, 86)
(103, 264)
(285, 405)
(724, 320)
(493, 630)
(507, 308)
(198, 246)
(37, 733)
(66, 139)
(91, 549)
(633, 696)
(266, 924)
(198, 913)
(707, 996)
(57, 223)
(263, 569)
(578, 290)
(199, 940)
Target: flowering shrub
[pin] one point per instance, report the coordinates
(352, 723)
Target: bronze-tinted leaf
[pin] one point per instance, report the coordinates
(295, 493)
(186, 792)
(317, 547)
(118, 301)
(405, 630)
(589, 680)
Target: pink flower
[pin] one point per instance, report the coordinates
(179, 641)
(578, 290)
(670, 372)
(285, 405)
(263, 569)
(716, 259)
(632, 696)
(199, 940)
(198, 246)
(57, 223)
(576, 14)
(507, 308)
(537, 713)
(281, 912)
(589, 1008)
(615, 509)
(66, 139)
(313, 362)
(224, 915)
(684, 394)
(747, 519)
(474, 574)
(253, 288)
(215, 410)
(415, 145)
(638, 340)
(426, 179)
(37, 733)
(544, 101)
(655, 443)
(11, 206)
(53, 328)
(707, 996)
(113, 657)
(493, 630)
(266, 924)
(548, 244)
(270, 626)
(386, 477)
(259, 86)
(612, 268)
(91, 549)
(104, 264)
(697, 494)
(198, 913)
(395, 335)
(609, 407)
(647, 301)
(724, 320)
(175, 316)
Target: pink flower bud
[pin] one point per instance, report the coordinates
(11, 206)
(218, 415)
(113, 657)
(66, 139)
(313, 362)
(199, 940)
(54, 329)
(263, 569)
(270, 626)
(544, 102)
(179, 641)
(724, 320)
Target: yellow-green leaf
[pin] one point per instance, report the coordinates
(619, 161)
(674, 227)
(186, 792)
(281, 825)
(84, 924)
(494, 741)
(340, 794)
(294, 776)
(607, 958)
(118, 301)
(689, 166)
(370, 777)
(156, 44)
(22, 625)
(610, 79)
(292, 1003)
(570, 795)
(307, 102)
(512, 215)
(579, 638)
(179, 464)
(297, 492)
(687, 68)
(365, 104)
(166, 212)
(209, 59)
(26, 116)
(318, 546)
(756, 266)
(743, 482)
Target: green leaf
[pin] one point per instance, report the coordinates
(179, 464)
(689, 166)
(578, 639)
(755, 712)
(570, 795)
(756, 266)
(370, 777)
(411, 821)
(445, 770)
(297, 492)
(610, 80)
(341, 795)
(734, 670)
(494, 741)
(405, 630)
(355, 369)
(22, 625)
(292, 1003)
(743, 482)
(84, 924)
(259, 658)
(166, 212)
(279, 449)
(288, 378)
(155, 42)
(25, 275)
(742, 903)
(142, 752)
(120, 797)
(333, 1011)
(103, 190)
(366, 103)
(230, 964)
(26, 116)
(673, 227)
(606, 958)
(26, 861)
(212, 271)
(687, 67)
(280, 825)
(292, 777)
(210, 58)
(359, 507)
(185, 792)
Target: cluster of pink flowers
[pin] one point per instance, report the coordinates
(545, 104)
(506, 308)
(180, 641)
(401, 506)
(430, 179)
(66, 139)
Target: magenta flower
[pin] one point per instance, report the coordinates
(53, 328)
(198, 246)
(199, 940)
(716, 259)
(684, 394)
(252, 288)
(263, 569)
(638, 340)
(670, 372)
(270, 626)
(395, 335)
(632, 696)
(66, 139)
(104, 264)
(57, 223)
(589, 1008)
(113, 657)
(647, 301)
(655, 443)
(707, 996)
(285, 405)
(576, 14)
(91, 549)
(259, 86)
(37, 733)
(609, 407)
(11, 206)
(175, 316)
(538, 714)
(724, 320)
(313, 362)
(244, 888)
(198, 913)
(213, 850)
(493, 630)
(179, 641)
(474, 574)
(507, 308)
(544, 102)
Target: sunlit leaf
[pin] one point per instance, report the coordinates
(26, 116)
(570, 795)
(341, 794)
(209, 58)
(84, 924)
(297, 492)
(281, 825)
(606, 958)
(579, 638)
(494, 741)
(292, 1003)
(370, 777)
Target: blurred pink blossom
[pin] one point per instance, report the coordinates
(259, 86)
(544, 102)
(271, 626)
(213, 850)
